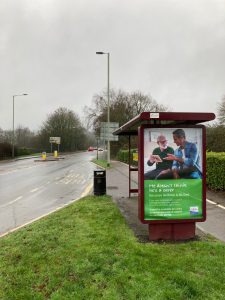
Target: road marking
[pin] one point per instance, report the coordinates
(17, 199)
(221, 206)
(86, 192)
(34, 190)
(212, 202)
(70, 176)
(67, 181)
(11, 202)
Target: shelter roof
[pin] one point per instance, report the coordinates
(163, 118)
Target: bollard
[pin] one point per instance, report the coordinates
(44, 155)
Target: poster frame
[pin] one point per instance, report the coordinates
(141, 173)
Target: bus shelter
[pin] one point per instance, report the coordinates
(171, 171)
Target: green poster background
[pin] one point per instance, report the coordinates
(173, 199)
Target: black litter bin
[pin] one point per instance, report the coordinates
(99, 182)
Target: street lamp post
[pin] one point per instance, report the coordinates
(13, 138)
(108, 112)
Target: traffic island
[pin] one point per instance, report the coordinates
(45, 159)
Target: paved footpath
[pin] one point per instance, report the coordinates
(117, 179)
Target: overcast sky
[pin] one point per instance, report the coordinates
(173, 50)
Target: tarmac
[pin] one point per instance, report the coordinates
(117, 185)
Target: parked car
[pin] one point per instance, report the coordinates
(90, 149)
(100, 149)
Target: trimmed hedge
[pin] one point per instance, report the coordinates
(25, 151)
(215, 167)
(5, 150)
(215, 170)
(123, 155)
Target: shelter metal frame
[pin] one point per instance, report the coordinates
(173, 229)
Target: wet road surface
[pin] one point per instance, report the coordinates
(30, 189)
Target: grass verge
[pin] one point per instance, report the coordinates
(100, 162)
(86, 251)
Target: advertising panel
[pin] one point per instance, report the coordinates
(172, 173)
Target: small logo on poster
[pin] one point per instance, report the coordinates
(194, 210)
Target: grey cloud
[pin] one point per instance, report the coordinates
(173, 50)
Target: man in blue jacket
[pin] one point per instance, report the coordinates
(185, 158)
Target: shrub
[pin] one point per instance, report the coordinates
(215, 170)
(123, 155)
(5, 150)
(214, 138)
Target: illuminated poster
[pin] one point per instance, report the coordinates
(173, 173)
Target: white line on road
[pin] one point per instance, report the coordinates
(11, 202)
(35, 190)
(17, 199)
(214, 203)
(211, 202)
(85, 193)
(221, 206)
(67, 181)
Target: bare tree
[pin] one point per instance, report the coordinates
(123, 107)
(221, 111)
(24, 137)
(66, 124)
(1, 136)
(7, 136)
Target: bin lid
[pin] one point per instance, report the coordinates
(99, 172)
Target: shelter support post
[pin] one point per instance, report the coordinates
(131, 169)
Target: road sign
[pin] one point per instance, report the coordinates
(106, 131)
(111, 124)
(55, 140)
